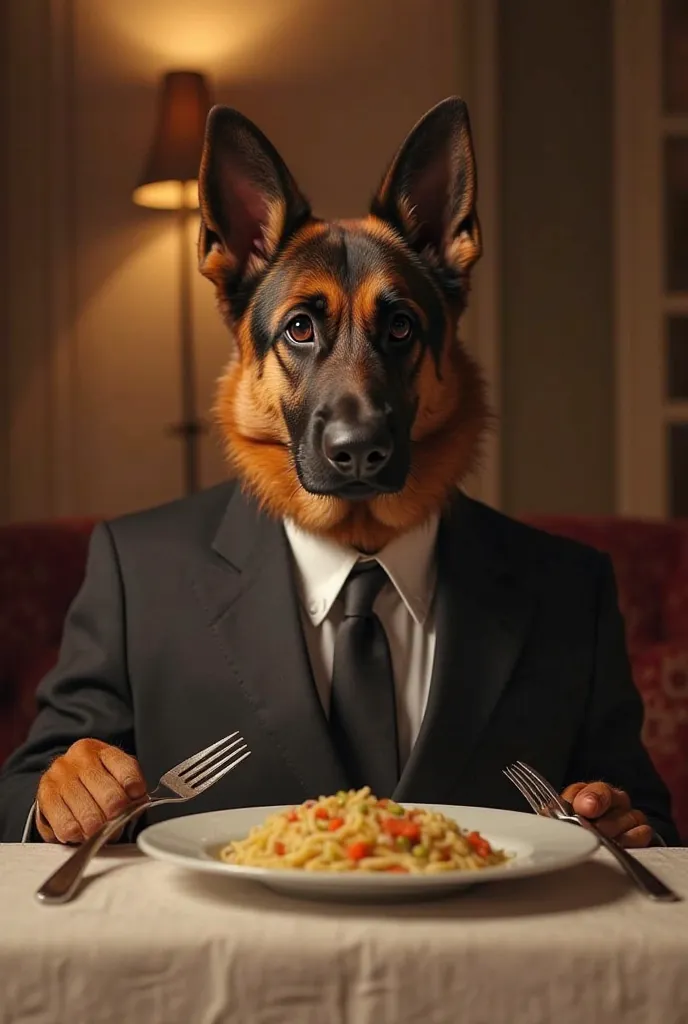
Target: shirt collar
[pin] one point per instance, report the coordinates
(323, 566)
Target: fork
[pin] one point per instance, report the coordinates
(544, 799)
(186, 780)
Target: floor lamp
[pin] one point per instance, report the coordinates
(169, 182)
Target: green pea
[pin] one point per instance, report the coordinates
(419, 850)
(402, 843)
(394, 809)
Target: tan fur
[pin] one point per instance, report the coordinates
(451, 420)
(451, 413)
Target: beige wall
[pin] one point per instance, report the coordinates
(89, 383)
(557, 289)
(92, 379)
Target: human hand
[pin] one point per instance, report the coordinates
(88, 785)
(611, 810)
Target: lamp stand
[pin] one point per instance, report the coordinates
(190, 428)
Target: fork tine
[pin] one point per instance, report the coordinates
(523, 790)
(201, 755)
(208, 770)
(526, 788)
(514, 780)
(189, 774)
(538, 794)
(542, 785)
(227, 768)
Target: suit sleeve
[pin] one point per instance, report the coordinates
(86, 695)
(610, 747)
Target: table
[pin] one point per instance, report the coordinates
(146, 942)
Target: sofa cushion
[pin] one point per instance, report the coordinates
(647, 556)
(41, 568)
(661, 675)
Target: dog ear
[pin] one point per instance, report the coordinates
(249, 200)
(429, 191)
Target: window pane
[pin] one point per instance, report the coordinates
(675, 62)
(678, 470)
(677, 357)
(676, 213)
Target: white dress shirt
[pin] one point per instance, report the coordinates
(404, 606)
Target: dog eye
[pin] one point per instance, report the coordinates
(300, 330)
(400, 327)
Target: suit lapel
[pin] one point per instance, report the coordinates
(481, 616)
(253, 610)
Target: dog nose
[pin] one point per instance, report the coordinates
(356, 451)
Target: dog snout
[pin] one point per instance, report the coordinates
(358, 451)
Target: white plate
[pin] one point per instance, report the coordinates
(538, 845)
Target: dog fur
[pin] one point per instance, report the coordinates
(267, 254)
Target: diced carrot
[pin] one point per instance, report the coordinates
(402, 827)
(280, 848)
(292, 816)
(335, 824)
(322, 813)
(479, 844)
(356, 851)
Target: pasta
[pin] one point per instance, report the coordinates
(354, 831)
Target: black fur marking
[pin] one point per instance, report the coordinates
(349, 255)
(239, 290)
(287, 370)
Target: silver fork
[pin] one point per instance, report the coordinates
(544, 799)
(186, 780)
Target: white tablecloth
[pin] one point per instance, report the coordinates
(145, 942)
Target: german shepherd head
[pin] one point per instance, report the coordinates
(349, 404)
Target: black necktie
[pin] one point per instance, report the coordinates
(362, 709)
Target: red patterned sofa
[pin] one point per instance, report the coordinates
(651, 564)
(41, 567)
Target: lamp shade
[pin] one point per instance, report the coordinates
(169, 179)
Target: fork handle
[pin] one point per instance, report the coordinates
(645, 879)
(61, 886)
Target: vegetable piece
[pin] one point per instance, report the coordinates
(357, 851)
(402, 827)
(479, 844)
(322, 814)
(335, 824)
(280, 848)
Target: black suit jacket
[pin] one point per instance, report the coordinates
(187, 628)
